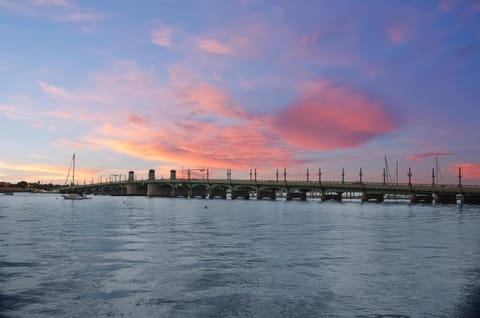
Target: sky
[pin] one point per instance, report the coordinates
(240, 85)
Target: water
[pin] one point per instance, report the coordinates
(141, 257)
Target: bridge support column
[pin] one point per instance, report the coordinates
(134, 189)
(421, 198)
(471, 198)
(332, 196)
(375, 197)
(296, 196)
(445, 198)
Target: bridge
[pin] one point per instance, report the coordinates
(273, 189)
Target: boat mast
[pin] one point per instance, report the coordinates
(73, 173)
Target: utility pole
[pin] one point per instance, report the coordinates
(433, 177)
(459, 176)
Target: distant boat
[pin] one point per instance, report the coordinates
(71, 195)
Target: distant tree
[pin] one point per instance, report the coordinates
(22, 184)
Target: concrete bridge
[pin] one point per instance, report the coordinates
(272, 189)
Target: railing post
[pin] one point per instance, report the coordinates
(319, 175)
(307, 175)
(285, 174)
(343, 176)
(277, 174)
(384, 176)
(361, 174)
(255, 174)
(250, 174)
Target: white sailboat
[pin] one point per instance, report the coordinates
(72, 195)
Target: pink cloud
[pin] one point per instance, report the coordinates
(214, 46)
(54, 91)
(448, 5)
(136, 120)
(205, 98)
(201, 144)
(425, 155)
(331, 117)
(398, 34)
(9, 111)
(469, 170)
(162, 36)
(44, 171)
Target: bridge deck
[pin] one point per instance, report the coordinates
(308, 186)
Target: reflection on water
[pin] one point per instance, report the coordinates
(141, 257)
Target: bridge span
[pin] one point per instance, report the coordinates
(273, 189)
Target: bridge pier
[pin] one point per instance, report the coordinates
(373, 197)
(296, 196)
(269, 194)
(421, 198)
(332, 196)
(471, 198)
(445, 198)
(160, 190)
(136, 189)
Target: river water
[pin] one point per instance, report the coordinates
(159, 257)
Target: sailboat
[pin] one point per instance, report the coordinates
(72, 195)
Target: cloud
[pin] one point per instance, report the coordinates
(205, 98)
(8, 111)
(214, 46)
(201, 144)
(398, 34)
(55, 10)
(51, 3)
(470, 170)
(162, 36)
(332, 117)
(43, 171)
(425, 155)
(78, 16)
(54, 91)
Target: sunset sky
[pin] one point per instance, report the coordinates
(239, 84)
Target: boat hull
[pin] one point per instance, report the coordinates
(74, 196)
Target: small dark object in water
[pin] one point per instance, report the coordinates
(205, 207)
